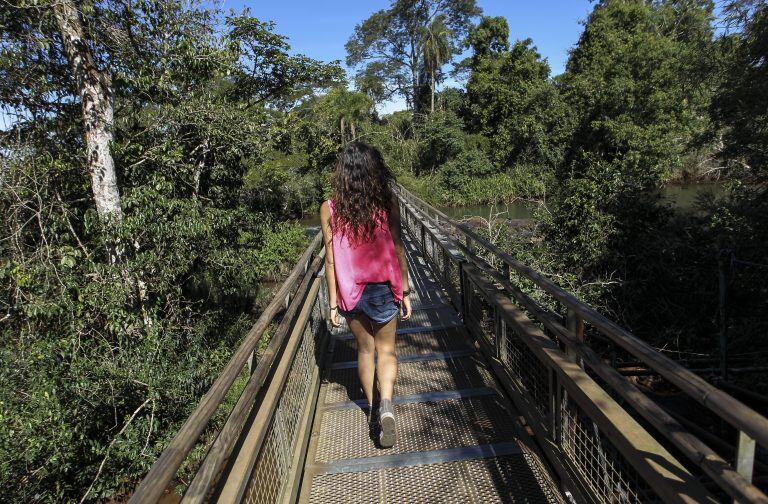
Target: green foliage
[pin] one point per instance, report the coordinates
(511, 99)
(742, 100)
(459, 172)
(389, 46)
(632, 117)
(442, 140)
(397, 137)
(489, 37)
(110, 335)
(345, 109)
(270, 75)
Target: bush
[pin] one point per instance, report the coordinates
(102, 360)
(459, 171)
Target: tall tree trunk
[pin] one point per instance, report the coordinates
(432, 107)
(199, 167)
(352, 130)
(415, 92)
(95, 91)
(341, 128)
(411, 100)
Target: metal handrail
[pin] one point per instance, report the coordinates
(167, 465)
(469, 279)
(739, 415)
(736, 482)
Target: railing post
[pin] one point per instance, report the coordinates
(745, 456)
(463, 294)
(554, 405)
(575, 324)
(498, 326)
(324, 304)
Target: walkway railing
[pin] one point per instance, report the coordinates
(277, 399)
(606, 440)
(585, 414)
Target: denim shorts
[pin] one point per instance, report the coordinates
(377, 302)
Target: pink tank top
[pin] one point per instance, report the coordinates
(358, 264)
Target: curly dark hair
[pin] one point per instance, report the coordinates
(361, 190)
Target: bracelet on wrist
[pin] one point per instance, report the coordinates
(334, 307)
(406, 292)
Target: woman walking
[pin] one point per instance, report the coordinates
(366, 271)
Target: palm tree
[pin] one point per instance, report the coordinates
(346, 108)
(437, 50)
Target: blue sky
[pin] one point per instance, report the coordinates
(320, 29)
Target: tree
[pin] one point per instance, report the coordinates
(741, 103)
(437, 52)
(269, 75)
(197, 99)
(346, 108)
(511, 99)
(490, 36)
(94, 87)
(371, 80)
(394, 38)
(635, 107)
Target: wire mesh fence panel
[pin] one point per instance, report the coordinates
(526, 369)
(602, 469)
(479, 314)
(527, 322)
(269, 478)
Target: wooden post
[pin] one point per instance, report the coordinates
(463, 293)
(497, 329)
(723, 313)
(575, 324)
(745, 456)
(423, 239)
(554, 404)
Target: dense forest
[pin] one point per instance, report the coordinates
(157, 153)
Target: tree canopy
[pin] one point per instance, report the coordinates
(389, 45)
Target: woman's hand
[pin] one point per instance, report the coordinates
(334, 316)
(405, 308)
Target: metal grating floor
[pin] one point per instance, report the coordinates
(515, 478)
(411, 343)
(420, 377)
(459, 438)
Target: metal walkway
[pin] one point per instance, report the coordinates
(459, 438)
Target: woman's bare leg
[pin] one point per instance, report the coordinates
(366, 367)
(386, 369)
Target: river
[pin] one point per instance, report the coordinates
(680, 196)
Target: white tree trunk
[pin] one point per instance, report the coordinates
(95, 91)
(199, 167)
(432, 108)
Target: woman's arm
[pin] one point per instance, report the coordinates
(395, 229)
(330, 272)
